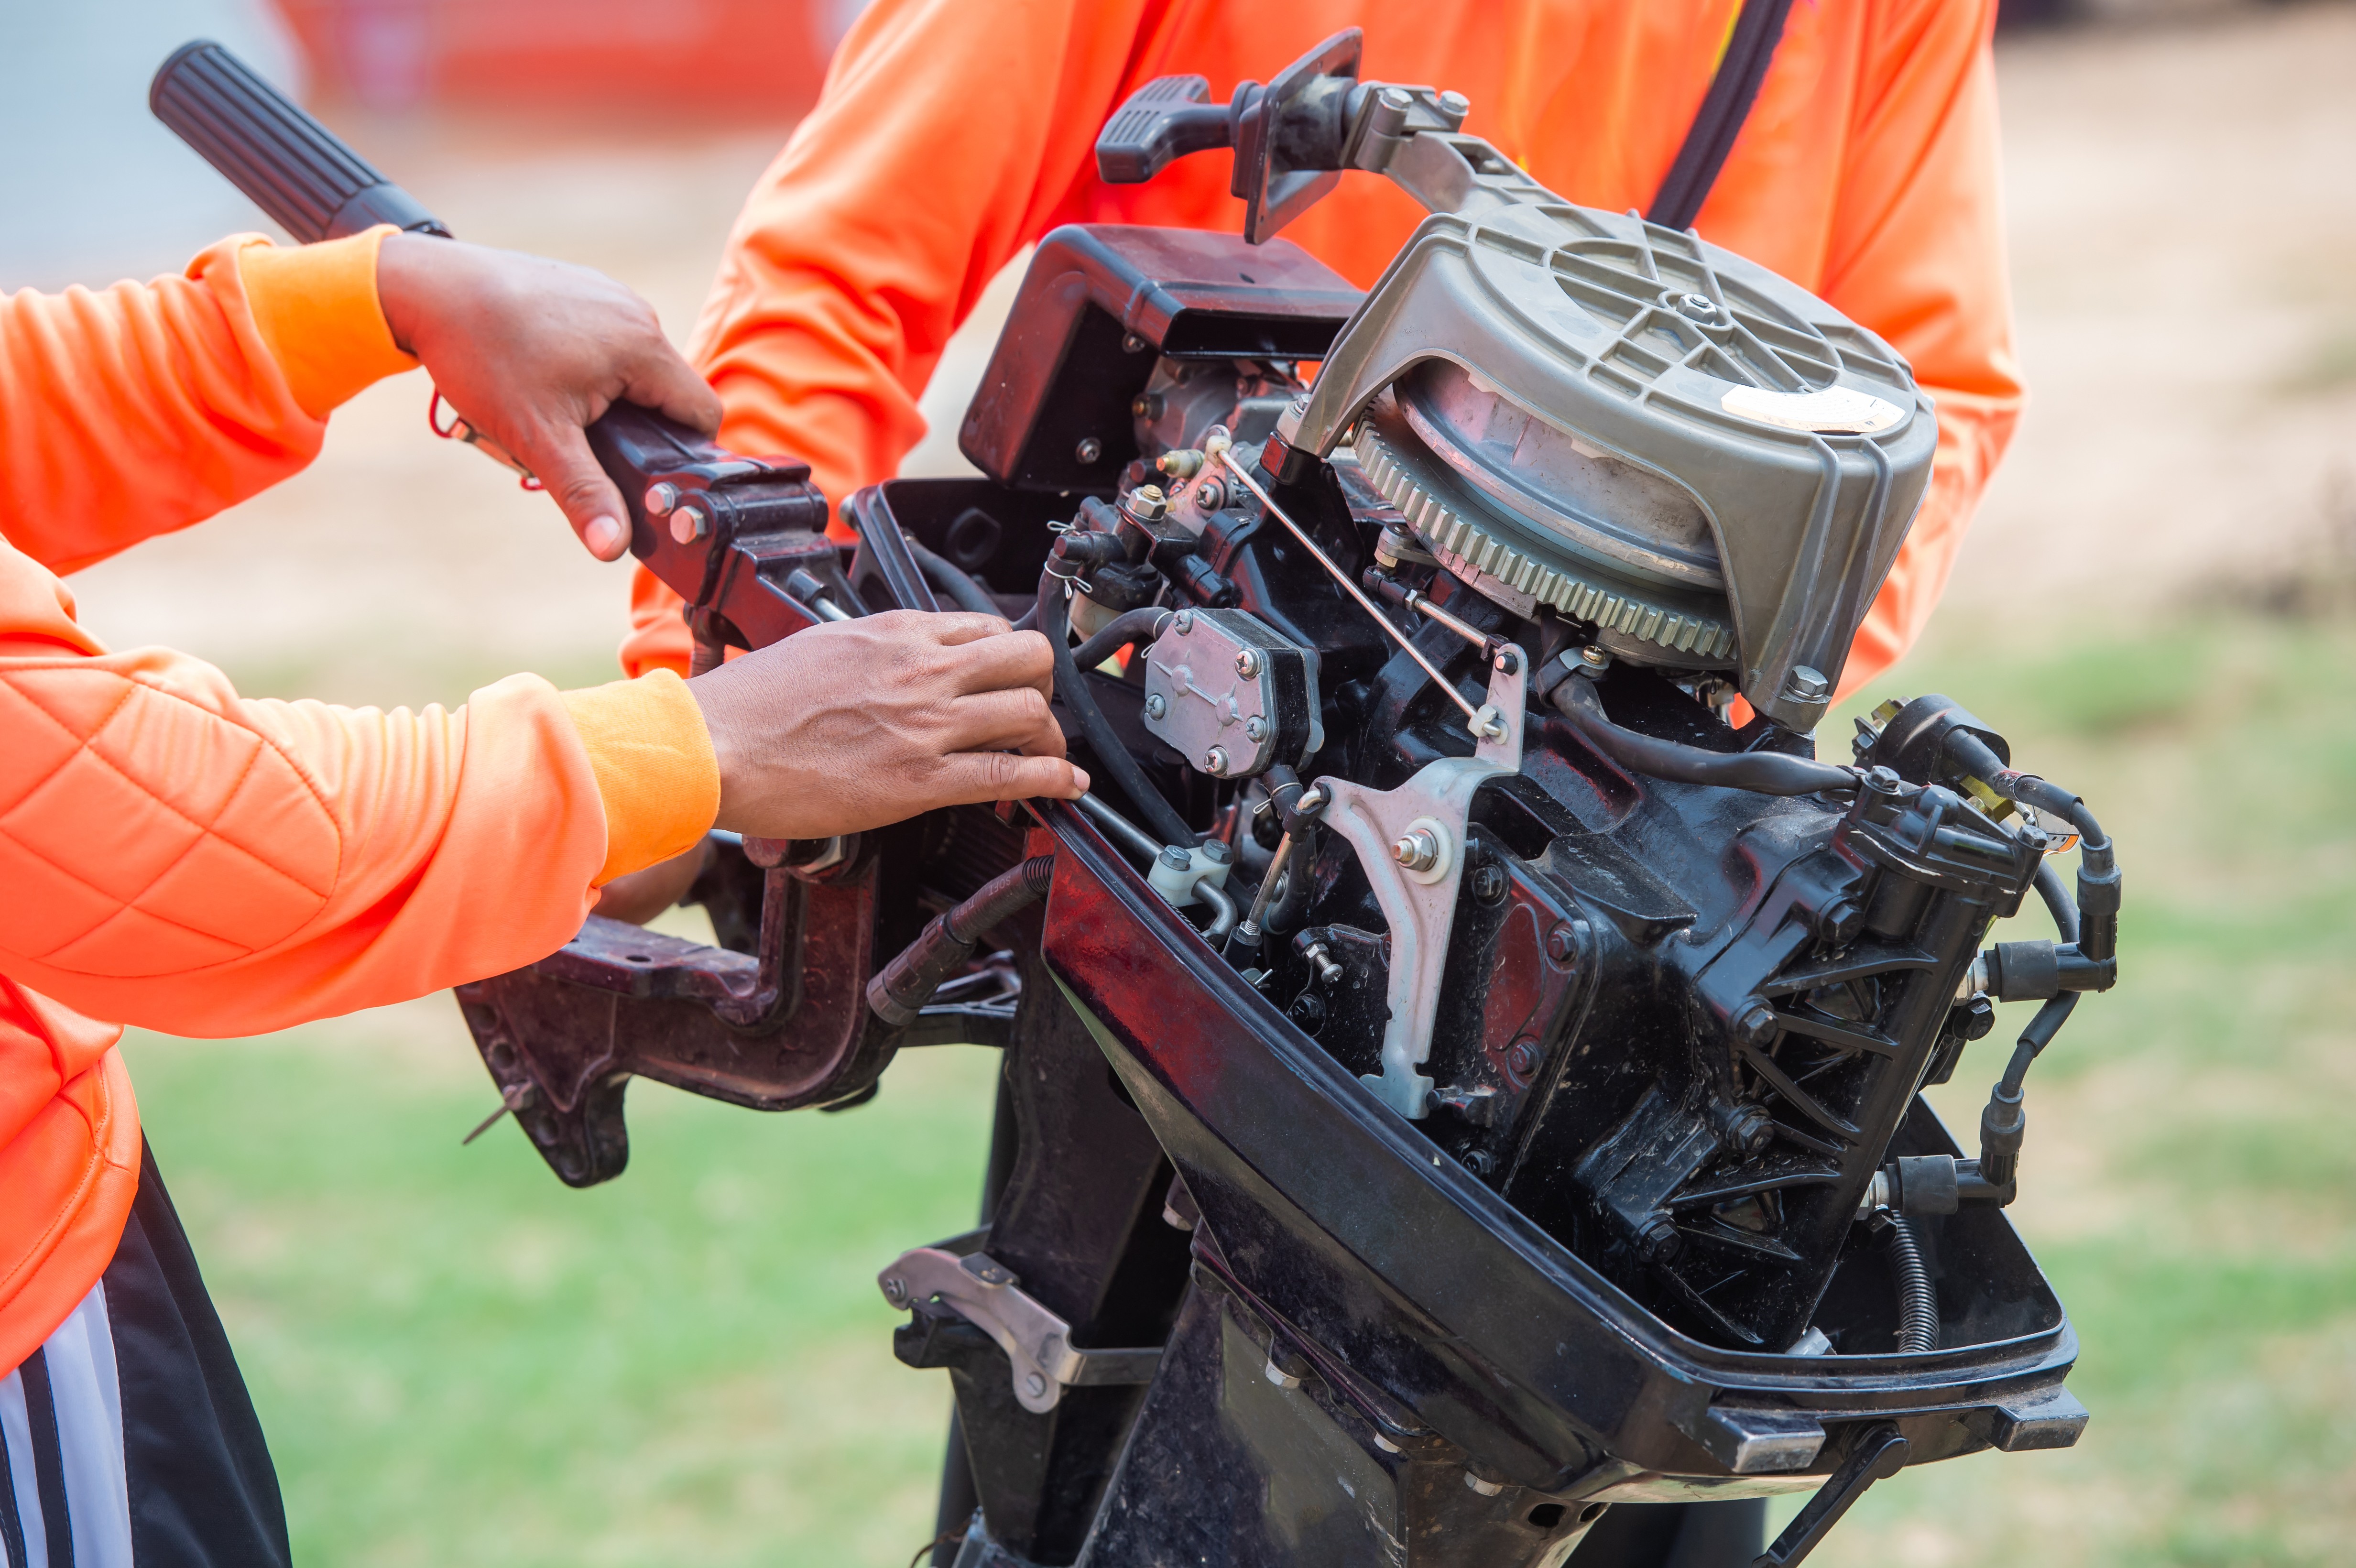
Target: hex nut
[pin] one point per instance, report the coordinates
(1522, 1057)
(1756, 1024)
(1562, 944)
(1417, 850)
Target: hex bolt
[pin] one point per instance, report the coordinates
(1522, 1057)
(1248, 662)
(1255, 728)
(1321, 960)
(1418, 852)
(1658, 1241)
(1215, 761)
(1156, 705)
(1397, 98)
(661, 496)
(1089, 450)
(1177, 859)
(1755, 1023)
(688, 523)
(1218, 852)
(1562, 944)
(1805, 684)
(1456, 104)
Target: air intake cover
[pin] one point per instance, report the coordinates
(1580, 411)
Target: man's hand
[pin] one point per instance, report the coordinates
(859, 723)
(530, 351)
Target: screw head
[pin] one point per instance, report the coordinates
(1215, 761)
(1034, 1386)
(661, 497)
(1595, 658)
(1132, 344)
(1255, 728)
(1207, 495)
(1182, 622)
(896, 1290)
(1248, 662)
(1418, 852)
(1089, 450)
(1755, 1024)
(1488, 883)
(1156, 705)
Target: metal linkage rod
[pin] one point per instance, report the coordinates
(1227, 456)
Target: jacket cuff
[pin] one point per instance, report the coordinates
(317, 309)
(655, 768)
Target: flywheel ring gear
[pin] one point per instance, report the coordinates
(1470, 548)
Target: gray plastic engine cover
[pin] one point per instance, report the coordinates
(1632, 429)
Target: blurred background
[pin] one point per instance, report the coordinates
(461, 1362)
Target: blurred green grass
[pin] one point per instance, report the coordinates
(460, 1361)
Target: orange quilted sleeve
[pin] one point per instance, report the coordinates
(140, 408)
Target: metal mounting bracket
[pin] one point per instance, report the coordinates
(1421, 903)
(1042, 1360)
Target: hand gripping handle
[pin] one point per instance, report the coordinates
(293, 167)
(1168, 118)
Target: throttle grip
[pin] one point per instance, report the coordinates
(286, 163)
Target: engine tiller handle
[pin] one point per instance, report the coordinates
(291, 167)
(1168, 118)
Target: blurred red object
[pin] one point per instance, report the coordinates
(698, 60)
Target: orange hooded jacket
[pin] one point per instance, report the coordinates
(952, 135)
(175, 855)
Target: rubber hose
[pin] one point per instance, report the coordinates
(959, 585)
(899, 991)
(1160, 817)
(1918, 1308)
(1139, 627)
(1761, 772)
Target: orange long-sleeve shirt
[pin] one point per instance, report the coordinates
(952, 133)
(175, 855)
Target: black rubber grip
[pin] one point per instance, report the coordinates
(293, 167)
(1167, 118)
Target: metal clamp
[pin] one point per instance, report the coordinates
(1042, 1360)
(1417, 890)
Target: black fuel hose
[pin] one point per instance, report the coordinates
(1139, 627)
(1761, 772)
(947, 578)
(1918, 1307)
(1055, 619)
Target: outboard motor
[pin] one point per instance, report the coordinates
(1463, 1068)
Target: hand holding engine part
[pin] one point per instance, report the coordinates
(531, 352)
(857, 724)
